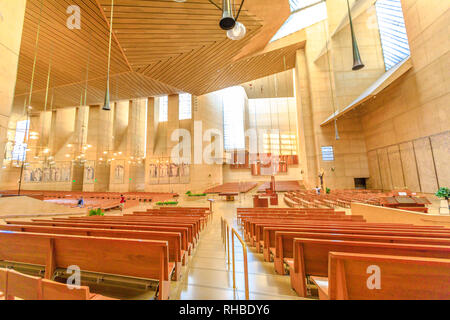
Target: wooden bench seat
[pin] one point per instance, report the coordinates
(146, 259)
(311, 256)
(401, 278)
(17, 285)
(173, 239)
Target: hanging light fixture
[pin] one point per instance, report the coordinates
(227, 22)
(238, 32)
(107, 106)
(357, 62)
(235, 30)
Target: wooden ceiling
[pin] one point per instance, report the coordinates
(159, 47)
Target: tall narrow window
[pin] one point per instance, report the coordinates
(163, 109)
(20, 147)
(185, 106)
(394, 39)
(233, 118)
(327, 153)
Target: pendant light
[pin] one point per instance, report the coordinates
(227, 22)
(107, 106)
(235, 30)
(357, 62)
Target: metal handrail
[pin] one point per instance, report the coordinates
(225, 230)
(244, 248)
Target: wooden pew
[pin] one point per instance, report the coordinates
(185, 244)
(145, 259)
(173, 239)
(195, 224)
(311, 256)
(284, 242)
(192, 235)
(17, 285)
(269, 231)
(22, 286)
(402, 278)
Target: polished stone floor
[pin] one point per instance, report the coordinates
(208, 275)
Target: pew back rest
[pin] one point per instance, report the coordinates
(23, 286)
(401, 277)
(52, 290)
(3, 275)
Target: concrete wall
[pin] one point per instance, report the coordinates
(406, 128)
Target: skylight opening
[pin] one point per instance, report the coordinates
(304, 14)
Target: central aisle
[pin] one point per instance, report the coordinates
(208, 276)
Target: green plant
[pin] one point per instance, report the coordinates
(443, 193)
(188, 193)
(166, 203)
(197, 195)
(96, 212)
(328, 190)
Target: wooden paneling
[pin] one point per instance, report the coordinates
(425, 165)
(159, 47)
(441, 152)
(409, 166)
(375, 178)
(395, 166)
(385, 169)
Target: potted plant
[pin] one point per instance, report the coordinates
(166, 204)
(194, 196)
(443, 193)
(96, 212)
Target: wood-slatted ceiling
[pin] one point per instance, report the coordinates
(159, 47)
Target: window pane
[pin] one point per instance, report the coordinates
(185, 106)
(299, 4)
(20, 147)
(394, 39)
(327, 154)
(302, 19)
(163, 109)
(233, 117)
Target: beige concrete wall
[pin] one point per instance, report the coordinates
(11, 25)
(374, 214)
(318, 98)
(412, 115)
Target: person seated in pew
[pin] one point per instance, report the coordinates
(80, 203)
(122, 202)
(317, 189)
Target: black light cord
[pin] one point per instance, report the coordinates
(240, 8)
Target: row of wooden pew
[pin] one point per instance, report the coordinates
(335, 251)
(104, 204)
(338, 198)
(152, 245)
(48, 195)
